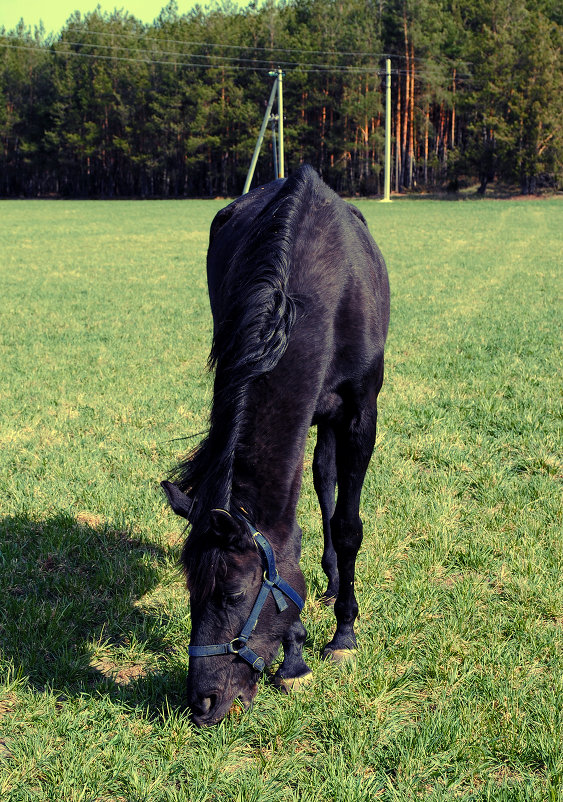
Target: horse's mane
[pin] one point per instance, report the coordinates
(257, 316)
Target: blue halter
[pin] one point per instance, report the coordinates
(272, 583)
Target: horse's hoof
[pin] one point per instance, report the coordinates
(340, 656)
(288, 684)
(328, 601)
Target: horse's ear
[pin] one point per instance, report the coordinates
(222, 217)
(180, 503)
(230, 532)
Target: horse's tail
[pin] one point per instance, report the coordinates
(250, 338)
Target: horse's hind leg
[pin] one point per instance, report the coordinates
(354, 447)
(324, 480)
(293, 671)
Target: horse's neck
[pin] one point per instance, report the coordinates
(268, 481)
(269, 462)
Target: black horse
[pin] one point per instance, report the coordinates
(300, 302)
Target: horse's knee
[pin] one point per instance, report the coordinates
(347, 535)
(346, 609)
(293, 665)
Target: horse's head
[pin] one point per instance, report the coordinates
(228, 571)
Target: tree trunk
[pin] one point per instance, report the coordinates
(452, 140)
(411, 121)
(426, 126)
(398, 138)
(407, 102)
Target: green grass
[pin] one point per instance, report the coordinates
(458, 690)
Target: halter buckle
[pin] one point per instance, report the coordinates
(240, 644)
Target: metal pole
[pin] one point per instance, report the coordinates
(387, 176)
(275, 141)
(280, 122)
(260, 138)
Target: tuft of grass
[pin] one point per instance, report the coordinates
(458, 688)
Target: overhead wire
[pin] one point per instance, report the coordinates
(265, 48)
(262, 48)
(251, 65)
(226, 63)
(180, 58)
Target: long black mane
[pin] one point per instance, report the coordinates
(251, 336)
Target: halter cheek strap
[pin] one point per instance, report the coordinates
(272, 583)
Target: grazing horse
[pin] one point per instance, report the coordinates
(300, 302)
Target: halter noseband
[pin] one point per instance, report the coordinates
(272, 583)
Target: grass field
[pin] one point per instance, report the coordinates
(458, 689)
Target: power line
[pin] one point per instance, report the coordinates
(265, 48)
(226, 63)
(269, 49)
(232, 59)
(251, 65)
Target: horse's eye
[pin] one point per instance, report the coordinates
(234, 598)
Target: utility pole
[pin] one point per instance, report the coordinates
(280, 122)
(277, 89)
(274, 119)
(387, 175)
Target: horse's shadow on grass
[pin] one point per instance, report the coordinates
(68, 593)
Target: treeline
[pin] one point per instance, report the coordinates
(111, 107)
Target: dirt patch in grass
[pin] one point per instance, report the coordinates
(8, 705)
(120, 675)
(90, 519)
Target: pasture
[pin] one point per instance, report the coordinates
(458, 688)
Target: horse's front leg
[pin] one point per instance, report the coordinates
(293, 671)
(354, 448)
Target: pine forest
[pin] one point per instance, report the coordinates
(112, 107)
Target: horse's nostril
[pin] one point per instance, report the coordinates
(204, 705)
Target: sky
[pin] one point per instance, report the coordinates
(55, 13)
